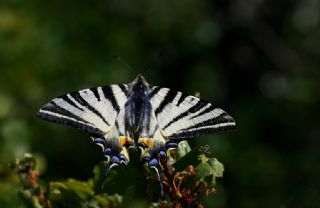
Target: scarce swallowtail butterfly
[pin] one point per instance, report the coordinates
(137, 114)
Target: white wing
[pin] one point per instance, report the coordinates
(93, 110)
(182, 116)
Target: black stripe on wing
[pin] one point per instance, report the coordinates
(207, 110)
(154, 91)
(193, 109)
(182, 98)
(76, 95)
(96, 93)
(123, 88)
(109, 94)
(62, 116)
(203, 131)
(69, 101)
(166, 100)
(221, 123)
(222, 118)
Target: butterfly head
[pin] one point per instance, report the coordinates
(140, 80)
(139, 85)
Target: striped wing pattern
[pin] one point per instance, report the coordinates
(93, 110)
(183, 116)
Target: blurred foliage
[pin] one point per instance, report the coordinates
(69, 193)
(186, 188)
(258, 60)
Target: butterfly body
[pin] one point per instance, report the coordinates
(138, 107)
(137, 114)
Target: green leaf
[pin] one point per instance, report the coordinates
(73, 193)
(68, 194)
(28, 200)
(183, 148)
(209, 169)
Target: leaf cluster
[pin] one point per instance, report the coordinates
(188, 177)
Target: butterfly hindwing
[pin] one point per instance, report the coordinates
(93, 110)
(181, 116)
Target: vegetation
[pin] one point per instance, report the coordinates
(258, 60)
(182, 187)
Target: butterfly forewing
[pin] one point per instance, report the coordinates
(93, 110)
(182, 116)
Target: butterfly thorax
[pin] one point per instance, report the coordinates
(138, 109)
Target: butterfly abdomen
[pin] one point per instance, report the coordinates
(138, 109)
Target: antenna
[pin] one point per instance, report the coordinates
(123, 63)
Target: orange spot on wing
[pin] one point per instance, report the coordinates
(124, 140)
(147, 141)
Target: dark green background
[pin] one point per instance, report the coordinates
(258, 60)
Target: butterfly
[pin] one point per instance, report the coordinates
(136, 115)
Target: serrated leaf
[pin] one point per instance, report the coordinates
(209, 169)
